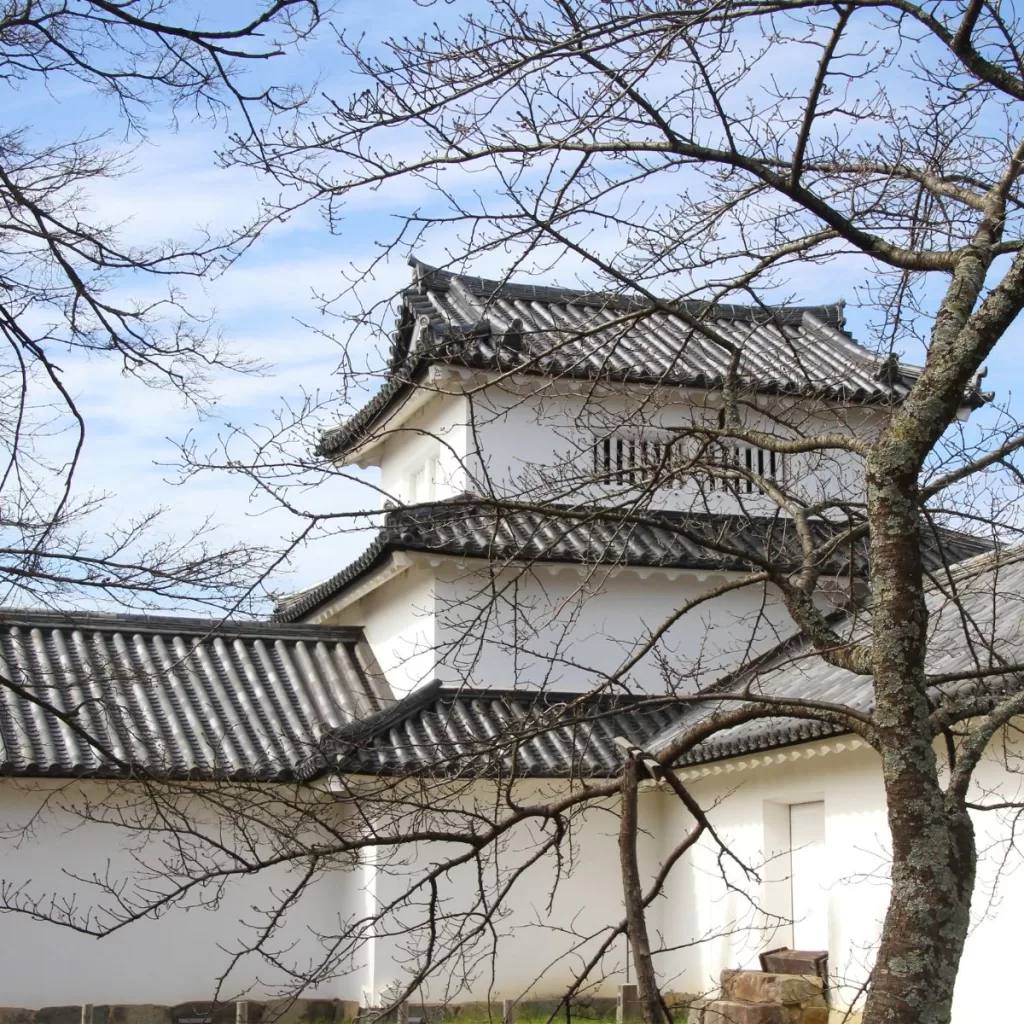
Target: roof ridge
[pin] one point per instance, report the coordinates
(794, 351)
(246, 704)
(832, 312)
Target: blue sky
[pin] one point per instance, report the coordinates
(265, 304)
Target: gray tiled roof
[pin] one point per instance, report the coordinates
(175, 697)
(666, 539)
(471, 321)
(983, 628)
(491, 732)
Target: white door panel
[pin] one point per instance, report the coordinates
(809, 879)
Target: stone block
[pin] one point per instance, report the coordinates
(758, 987)
(16, 1015)
(59, 1015)
(814, 1015)
(797, 988)
(680, 999)
(695, 1012)
(751, 987)
(816, 1001)
(728, 1011)
(725, 979)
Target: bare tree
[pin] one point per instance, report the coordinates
(62, 271)
(674, 159)
(705, 152)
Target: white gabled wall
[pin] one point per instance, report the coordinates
(399, 621)
(424, 455)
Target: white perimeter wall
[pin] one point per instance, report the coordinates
(170, 960)
(752, 813)
(551, 921)
(703, 925)
(540, 943)
(723, 927)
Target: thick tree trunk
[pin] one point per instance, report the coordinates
(933, 851)
(933, 867)
(636, 921)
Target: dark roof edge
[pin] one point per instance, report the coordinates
(358, 732)
(825, 730)
(388, 540)
(290, 609)
(145, 623)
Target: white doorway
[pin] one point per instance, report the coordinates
(808, 876)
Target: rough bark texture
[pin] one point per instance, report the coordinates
(933, 851)
(636, 920)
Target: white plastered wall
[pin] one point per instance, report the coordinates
(171, 960)
(399, 621)
(566, 627)
(424, 455)
(704, 926)
(993, 947)
(751, 798)
(538, 941)
(530, 438)
(719, 926)
(559, 626)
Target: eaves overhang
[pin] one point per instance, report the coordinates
(466, 528)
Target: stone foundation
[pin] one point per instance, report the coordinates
(301, 1011)
(753, 997)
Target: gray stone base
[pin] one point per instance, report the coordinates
(301, 1011)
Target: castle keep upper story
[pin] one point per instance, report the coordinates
(535, 393)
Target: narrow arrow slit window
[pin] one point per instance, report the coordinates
(742, 463)
(623, 460)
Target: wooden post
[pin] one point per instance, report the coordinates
(87, 1013)
(403, 1012)
(628, 1009)
(242, 1012)
(508, 1011)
